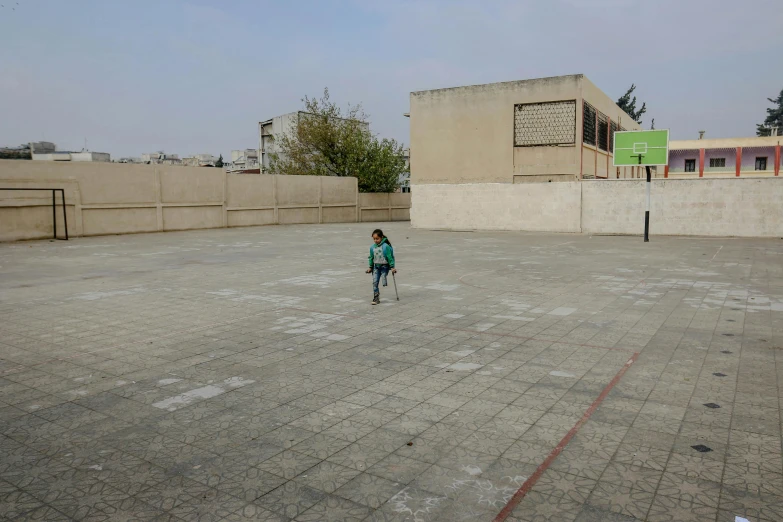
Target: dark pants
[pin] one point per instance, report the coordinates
(379, 273)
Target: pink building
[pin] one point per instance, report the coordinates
(724, 158)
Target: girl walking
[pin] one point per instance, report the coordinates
(381, 261)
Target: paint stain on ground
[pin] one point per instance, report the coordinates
(205, 392)
(558, 373)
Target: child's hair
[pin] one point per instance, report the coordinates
(378, 232)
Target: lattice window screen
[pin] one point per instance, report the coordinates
(588, 124)
(551, 123)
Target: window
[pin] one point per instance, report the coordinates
(761, 163)
(603, 131)
(690, 165)
(612, 130)
(717, 162)
(550, 123)
(588, 124)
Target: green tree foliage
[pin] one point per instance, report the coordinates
(628, 104)
(219, 163)
(327, 141)
(774, 118)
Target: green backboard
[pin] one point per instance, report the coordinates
(652, 145)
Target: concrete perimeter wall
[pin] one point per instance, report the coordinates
(703, 207)
(541, 207)
(109, 198)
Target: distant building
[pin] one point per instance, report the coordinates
(42, 147)
(245, 159)
(84, 156)
(26, 150)
(129, 160)
(200, 160)
(405, 177)
(269, 132)
(160, 158)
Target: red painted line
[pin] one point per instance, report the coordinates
(530, 482)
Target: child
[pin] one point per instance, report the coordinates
(381, 260)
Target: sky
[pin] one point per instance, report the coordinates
(196, 76)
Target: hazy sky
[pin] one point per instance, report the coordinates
(196, 76)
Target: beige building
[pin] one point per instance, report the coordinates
(542, 130)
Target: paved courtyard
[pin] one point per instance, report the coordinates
(242, 374)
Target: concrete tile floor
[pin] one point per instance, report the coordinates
(243, 375)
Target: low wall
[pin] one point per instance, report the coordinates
(543, 207)
(702, 207)
(395, 206)
(110, 198)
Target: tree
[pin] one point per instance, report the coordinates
(652, 124)
(219, 162)
(329, 141)
(774, 118)
(628, 104)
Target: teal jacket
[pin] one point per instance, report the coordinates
(386, 250)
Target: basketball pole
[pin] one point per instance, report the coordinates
(647, 212)
(647, 209)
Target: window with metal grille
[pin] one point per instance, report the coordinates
(612, 130)
(588, 124)
(717, 162)
(550, 123)
(761, 163)
(603, 131)
(690, 165)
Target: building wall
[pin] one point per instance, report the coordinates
(701, 207)
(113, 198)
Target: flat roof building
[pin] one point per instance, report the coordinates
(542, 130)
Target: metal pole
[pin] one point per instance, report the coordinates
(647, 211)
(65, 214)
(395, 286)
(54, 214)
